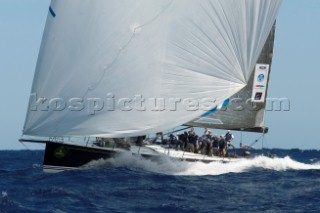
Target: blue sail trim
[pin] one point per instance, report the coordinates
(52, 12)
(226, 103)
(212, 111)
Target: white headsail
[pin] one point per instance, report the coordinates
(100, 59)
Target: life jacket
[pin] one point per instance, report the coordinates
(228, 137)
(222, 143)
(215, 143)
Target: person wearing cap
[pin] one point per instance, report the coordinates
(229, 136)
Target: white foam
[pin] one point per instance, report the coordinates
(168, 166)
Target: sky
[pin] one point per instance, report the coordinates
(295, 72)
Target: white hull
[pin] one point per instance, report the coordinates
(188, 156)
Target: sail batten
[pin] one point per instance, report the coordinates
(105, 67)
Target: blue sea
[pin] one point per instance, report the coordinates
(288, 183)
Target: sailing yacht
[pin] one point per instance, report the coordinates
(111, 72)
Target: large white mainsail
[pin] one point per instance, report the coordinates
(167, 49)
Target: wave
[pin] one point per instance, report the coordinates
(168, 166)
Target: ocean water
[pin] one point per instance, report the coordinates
(288, 183)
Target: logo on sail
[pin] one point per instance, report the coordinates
(262, 67)
(261, 77)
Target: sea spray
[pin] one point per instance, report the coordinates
(165, 165)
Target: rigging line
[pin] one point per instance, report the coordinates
(257, 140)
(25, 146)
(262, 143)
(177, 131)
